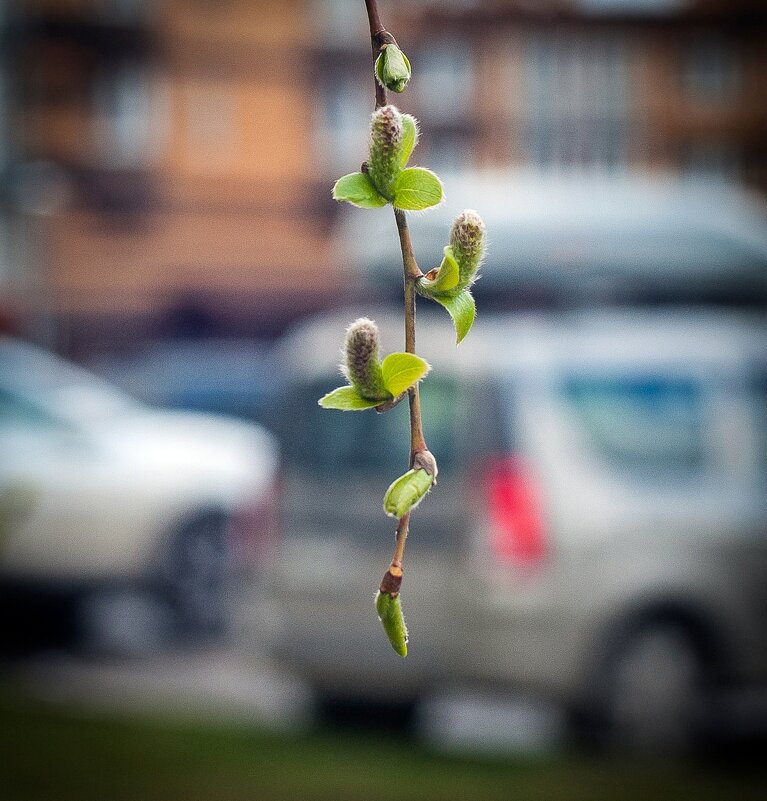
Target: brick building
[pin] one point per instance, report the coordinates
(168, 164)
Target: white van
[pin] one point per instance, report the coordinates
(598, 534)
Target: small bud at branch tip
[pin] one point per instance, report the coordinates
(392, 68)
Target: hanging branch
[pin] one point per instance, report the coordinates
(373, 384)
(392, 579)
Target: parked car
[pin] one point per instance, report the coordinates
(598, 535)
(136, 518)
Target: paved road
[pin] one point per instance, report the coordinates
(226, 685)
(216, 684)
(235, 686)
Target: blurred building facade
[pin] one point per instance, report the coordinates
(164, 164)
(596, 86)
(168, 164)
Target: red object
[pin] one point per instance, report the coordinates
(516, 522)
(255, 528)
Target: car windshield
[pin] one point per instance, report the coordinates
(64, 390)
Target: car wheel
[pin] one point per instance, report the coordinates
(653, 688)
(200, 576)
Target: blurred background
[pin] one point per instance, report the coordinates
(188, 547)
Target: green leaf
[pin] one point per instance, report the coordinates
(406, 492)
(347, 399)
(417, 189)
(389, 609)
(402, 370)
(462, 309)
(357, 188)
(446, 279)
(409, 138)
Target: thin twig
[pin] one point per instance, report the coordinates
(379, 37)
(399, 550)
(376, 29)
(411, 273)
(373, 18)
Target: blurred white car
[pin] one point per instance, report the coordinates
(598, 535)
(141, 517)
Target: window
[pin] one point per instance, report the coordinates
(123, 116)
(210, 122)
(4, 115)
(123, 12)
(652, 423)
(342, 23)
(445, 81)
(711, 70)
(576, 91)
(446, 151)
(19, 412)
(759, 393)
(58, 388)
(6, 265)
(343, 134)
(713, 160)
(631, 6)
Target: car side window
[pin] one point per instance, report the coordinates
(485, 423)
(363, 442)
(463, 421)
(652, 423)
(759, 396)
(18, 412)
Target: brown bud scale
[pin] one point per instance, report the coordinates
(391, 583)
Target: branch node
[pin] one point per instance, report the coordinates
(424, 460)
(390, 404)
(381, 39)
(391, 581)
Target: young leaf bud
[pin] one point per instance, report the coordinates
(363, 368)
(392, 68)
(386, 135)
(406, 492)
(389, 609)
(467, 240)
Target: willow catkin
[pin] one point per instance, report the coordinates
(363, 368)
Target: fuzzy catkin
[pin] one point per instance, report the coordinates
(363, 368)
(385, 145)
(467, 240)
